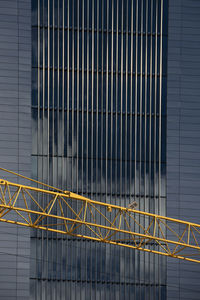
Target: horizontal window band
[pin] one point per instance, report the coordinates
(98, 158)
(99, 281)
(82, 240)
(94, 111)
(125, 196)
(100, 30)
(100, 71)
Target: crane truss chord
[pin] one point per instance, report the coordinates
(68, 213)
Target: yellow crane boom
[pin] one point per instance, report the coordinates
(65, 212)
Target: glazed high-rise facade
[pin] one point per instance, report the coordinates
(101, 74)
(99, 129)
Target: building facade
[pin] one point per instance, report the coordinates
(99, 115)
(114, 104)
(15, 138)
(183, 125)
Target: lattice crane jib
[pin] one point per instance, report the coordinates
(64, 212)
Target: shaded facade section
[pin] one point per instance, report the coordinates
(183, 126)
(15, 138)
(98, 119)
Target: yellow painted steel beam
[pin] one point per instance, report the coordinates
(64, 212)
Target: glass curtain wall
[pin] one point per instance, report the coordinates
(98, 127)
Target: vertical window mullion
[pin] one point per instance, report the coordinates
(72, 95)
(87, 98)
(106, 95)
(63, 94)
(136, 95)
(140, 109)
(150, 108)
(92, 106)
(116, 102)
(97, 98)
(111, 93)
(160, 104)
(78, 112)
(83, 48)
(155, 112)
